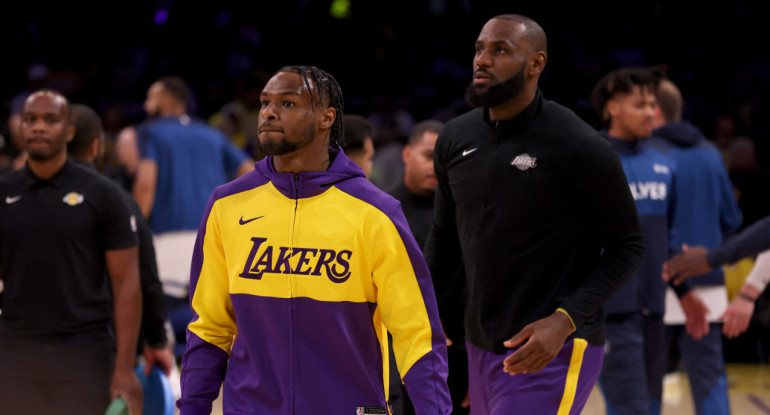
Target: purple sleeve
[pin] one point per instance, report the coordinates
(426, 380)
(203, 366)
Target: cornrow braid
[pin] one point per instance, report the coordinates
(328, 89)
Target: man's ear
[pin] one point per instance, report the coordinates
(611, 109)
(405, 152)
(94, 148)
(70, 132)
(328, 117)
(537, 63)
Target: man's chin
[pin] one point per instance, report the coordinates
(38, 156)
(276, 148)
(481, 88)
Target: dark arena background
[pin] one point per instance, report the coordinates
(415, 54)
(403, 61)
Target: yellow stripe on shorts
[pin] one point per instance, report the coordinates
(573, 373)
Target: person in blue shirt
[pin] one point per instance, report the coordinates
(635, 360)
(706, 213)
(182, 160)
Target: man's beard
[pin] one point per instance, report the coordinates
(153, 113)
(496, 94)
(38, 156)
(284, 146)
(278, 148)
(43, 155)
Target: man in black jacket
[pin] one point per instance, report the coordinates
(535, 203)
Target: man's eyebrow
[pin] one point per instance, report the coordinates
(498, 42)
(283, 93)
(40, 114)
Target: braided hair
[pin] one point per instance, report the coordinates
(327, 89)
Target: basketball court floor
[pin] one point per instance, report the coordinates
(749, 388)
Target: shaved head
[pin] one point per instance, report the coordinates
(88, 127)
(45, 126)
(510, 56)
(56, 96)
(669, 100)
(533, 33)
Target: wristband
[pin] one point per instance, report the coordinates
(746, 297)
(563, 311)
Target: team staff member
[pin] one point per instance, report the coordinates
(538, 206)
(86, 148)
(63, 229)
(415, 193)
(299, 269)
(359, 142)
(416, 189)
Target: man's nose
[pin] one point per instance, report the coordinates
(483, 58)
(268, 112)
(39, 125)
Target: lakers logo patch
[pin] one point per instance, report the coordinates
(73, 198)
(524, 162)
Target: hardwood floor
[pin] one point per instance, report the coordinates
(749, 388)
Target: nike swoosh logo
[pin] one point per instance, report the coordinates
(14, 199)
(243, 222)
(466, 152)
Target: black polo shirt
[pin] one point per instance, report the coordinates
(53, 238)
(418, 210)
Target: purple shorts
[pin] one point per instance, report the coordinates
(562, 388)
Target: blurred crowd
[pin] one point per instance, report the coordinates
(176, 110)
(398, 63)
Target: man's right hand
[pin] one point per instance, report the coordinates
(737, 316)
(448, 340)
(161, 357)
(697, 326)
(691, 262)
(542, 340)
(126, 384)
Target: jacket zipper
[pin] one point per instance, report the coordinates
(291, 295)
(491, 164)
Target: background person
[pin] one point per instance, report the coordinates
(68, 260)
(706, 212)
(635, 355)
(359, 145)
(85, 148)
(182, 161)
